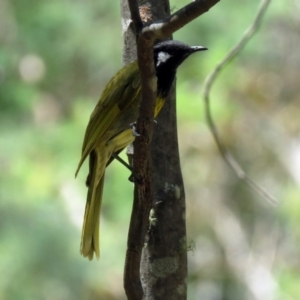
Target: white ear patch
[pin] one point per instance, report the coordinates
(162, 57)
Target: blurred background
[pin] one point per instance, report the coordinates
(55, 59)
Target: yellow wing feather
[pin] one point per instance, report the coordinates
(117, 93)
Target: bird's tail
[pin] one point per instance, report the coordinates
(90, 230)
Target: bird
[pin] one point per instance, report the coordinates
(108, 131)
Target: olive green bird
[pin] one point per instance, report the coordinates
(108, 131)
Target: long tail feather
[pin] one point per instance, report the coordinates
(90, 230)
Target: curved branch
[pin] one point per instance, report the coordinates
(230, 160)
(180, 18)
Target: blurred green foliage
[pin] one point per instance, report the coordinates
(55, 58)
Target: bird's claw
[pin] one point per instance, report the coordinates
(133, 127)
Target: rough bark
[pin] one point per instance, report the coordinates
(156, 258)
(164, 258)
(163, 267)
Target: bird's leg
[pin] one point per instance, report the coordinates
(122, 161)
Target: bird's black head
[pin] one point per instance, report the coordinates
(168, 55)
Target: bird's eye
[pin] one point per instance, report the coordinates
(162, 57)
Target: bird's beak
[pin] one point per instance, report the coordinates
(198, 48)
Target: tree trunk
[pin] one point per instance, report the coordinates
(164, 259)
(163, 268)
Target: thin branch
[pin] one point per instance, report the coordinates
(180, 18)
(135, 15)
(142, 171)
(166, 27)
(230, 160)
(142, 167)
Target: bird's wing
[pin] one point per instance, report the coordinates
(118, 94)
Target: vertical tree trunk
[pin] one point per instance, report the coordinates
(129, 41)
(164, 260)
(163, 268)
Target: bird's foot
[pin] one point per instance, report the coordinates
(134, 131)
